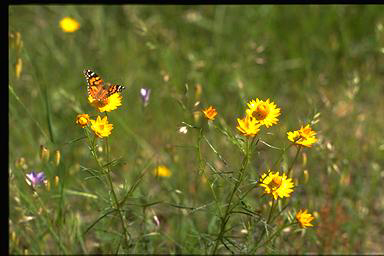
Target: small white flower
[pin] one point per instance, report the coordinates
(183, 129)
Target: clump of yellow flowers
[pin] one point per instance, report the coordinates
(266, 113)
(259, 113)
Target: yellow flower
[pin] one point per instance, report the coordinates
(68, 24)
(305, 136)
(304, 218)
(210, 113)
(278, 186)
(111, 103)
(162, 171)
(101, 127)
(82, 120)
(248, 126)
(264, 112)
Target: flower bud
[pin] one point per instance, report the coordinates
(44, 153)
(18, 67)
(198, 91)
(56, 181)
(18, 42)
(57, 157)
(21, 163)
(304, 159)
(306, 176)
(47, 185)
(196, 116)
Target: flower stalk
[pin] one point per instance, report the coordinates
(106, 171)
(294, 160)
(228, 210)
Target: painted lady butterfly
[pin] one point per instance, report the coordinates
(96, 87)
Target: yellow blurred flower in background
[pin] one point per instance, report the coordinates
(82, 120)
(162, 171)
(101, 127)
(305, 136)
(276, 185)
(68, 24)
(304, 218)
(265, 112)
(111, 103)
(18, 67)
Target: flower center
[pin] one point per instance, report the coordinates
(261, 112)
(246, 124)
(101, 127)
(305, 133)
(275, 183)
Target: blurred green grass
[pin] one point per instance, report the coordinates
(307, 59)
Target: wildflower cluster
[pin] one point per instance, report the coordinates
(105, 99)
(259, 113)
(100, 126)
(276, 184)
(265, 113)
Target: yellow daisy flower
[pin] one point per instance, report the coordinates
(68, 24)
(162, 171)
(265, 112)
(305, 136)
(101, 127)
(304, 218)
(111, 103)
(248, 126)
(82, 120)
(210, 113)
(276, 185)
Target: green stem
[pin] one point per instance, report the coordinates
(290, 168)
(126, 236)
(271, 210)
(281, 156)
(272, 236)
(268, 220)
(199, 154)
(273, 168)
(61, 202)
(47, 223)
(225, 218)
(107, 173)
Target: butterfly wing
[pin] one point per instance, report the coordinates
(95, 83)
(96, 86)
(114, 88)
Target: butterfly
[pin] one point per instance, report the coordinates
(96, 87)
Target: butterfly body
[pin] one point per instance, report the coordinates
(96, 87)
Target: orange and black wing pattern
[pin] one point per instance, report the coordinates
(96, 87)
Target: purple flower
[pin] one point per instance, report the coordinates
(35, 179)
(144, 95)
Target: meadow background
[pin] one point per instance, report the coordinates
(307, 59)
